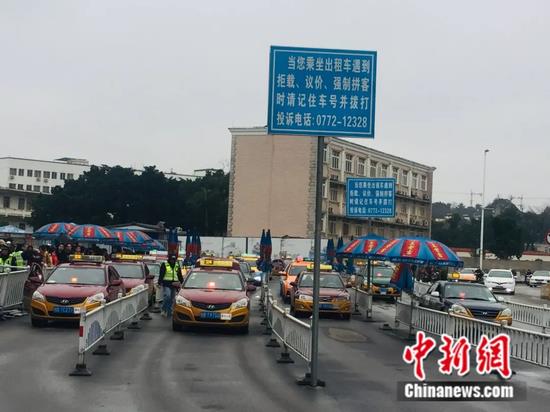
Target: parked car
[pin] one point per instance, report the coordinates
(501, 281)
(539, 278)
(466, 299)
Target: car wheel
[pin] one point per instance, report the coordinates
(176, 327)
(243, 330)
(38, 323)
(513, 293)
(346, 316)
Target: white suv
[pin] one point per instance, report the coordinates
(501, 280)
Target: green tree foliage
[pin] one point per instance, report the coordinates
(110, 195)
(508, 231)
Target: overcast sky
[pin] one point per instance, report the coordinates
(159, 82)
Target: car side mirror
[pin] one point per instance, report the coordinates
(293, 284)
(250, 288)
(435, 294)
(115, 282)
(499, 298)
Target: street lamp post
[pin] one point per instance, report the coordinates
(482, 210)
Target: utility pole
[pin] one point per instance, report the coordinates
(482, 210)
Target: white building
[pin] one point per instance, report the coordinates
(22, 180)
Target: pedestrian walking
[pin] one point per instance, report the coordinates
(169, 275)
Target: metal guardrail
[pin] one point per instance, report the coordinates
(293, 333)
(364, 303)
(528, 346)
(106, 320)
(530, 314)
(12, 283)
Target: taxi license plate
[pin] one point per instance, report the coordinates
(210, 315)
(383, 291)
(325, 306)
(63, 309)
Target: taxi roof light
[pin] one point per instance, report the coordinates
(122, 256)
(217, 263)
(323, 268)
(86, 258)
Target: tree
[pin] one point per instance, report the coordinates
(109, 195)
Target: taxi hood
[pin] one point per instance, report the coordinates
(324, 292)
(212, 295)
(70, 291)
(478, 304)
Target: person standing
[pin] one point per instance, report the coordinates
(169, 273)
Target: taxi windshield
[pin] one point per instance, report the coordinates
(381, 274)
(213, 280)
(327, 280)
(457, 291)
(77, 276)
(295, 270)
(542, 273)
(129, 271)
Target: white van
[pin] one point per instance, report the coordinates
(501, 281)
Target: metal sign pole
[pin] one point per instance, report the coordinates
(314, 381)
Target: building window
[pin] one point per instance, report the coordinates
(335, 159)
(6, 202)
(423, 182)
(345, 229)
(384, 171)
(70, 176)
(415, 181)
(358, 230)
(395, 174)
(349, 163)
(45, 189)
(29, 188)
(331, 227)
(62, 176)
(29, 173)
(29, 204)
(325, 154)
(36, 188)
(21, 203)
(404, 209)
(334, 195)
(361, 166)
(13, 171)
(404, 177)
(373, 166)
(46, 174)
(37, 173)
(12, 185)
(21, 172)
(54, 175)
(19, 186)
(324, 190)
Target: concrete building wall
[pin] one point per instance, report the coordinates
(270, 184)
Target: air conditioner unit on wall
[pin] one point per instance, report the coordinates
(12, 177)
